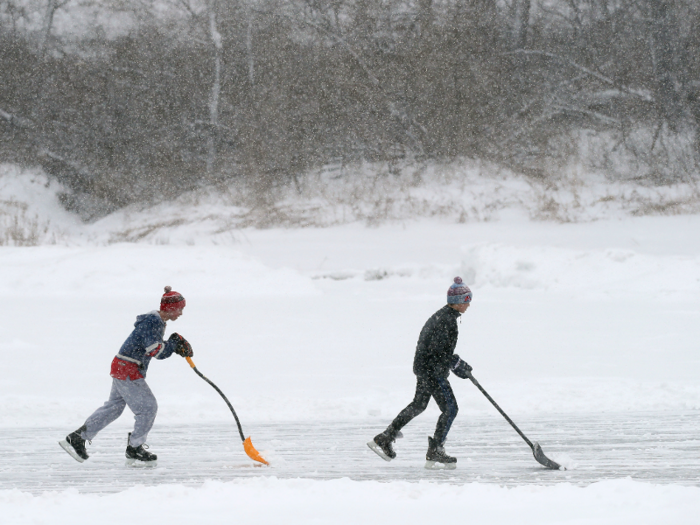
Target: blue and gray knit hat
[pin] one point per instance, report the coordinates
(459, 292)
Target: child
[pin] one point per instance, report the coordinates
(129, 386)
(433, 361)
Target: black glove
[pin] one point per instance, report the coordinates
(182, 347)
(459, 367)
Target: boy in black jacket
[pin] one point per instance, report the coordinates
(433, 361)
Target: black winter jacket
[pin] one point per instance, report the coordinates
(436, 344)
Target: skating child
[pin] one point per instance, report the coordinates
(433, 361)
(129, 386)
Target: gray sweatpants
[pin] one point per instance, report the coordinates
(139, 399)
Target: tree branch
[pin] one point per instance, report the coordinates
(630, 91)
(406, 120)
(14, 120)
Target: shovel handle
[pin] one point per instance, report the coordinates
(200, 374)
(477, 385)
(247, 445)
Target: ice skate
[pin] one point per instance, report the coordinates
(139, 456)
(437, 459)
(75, 445)
(381, 445)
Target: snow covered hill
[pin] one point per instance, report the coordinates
(372, 195)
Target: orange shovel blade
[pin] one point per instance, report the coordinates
(252, 453)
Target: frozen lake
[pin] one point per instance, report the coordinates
(654, 447)
(585, 333)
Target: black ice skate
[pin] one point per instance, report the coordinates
(75, 445)
(139, 456)
(436, 458)
(381, 444)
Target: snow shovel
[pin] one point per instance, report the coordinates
(536, 448)
(247, 444)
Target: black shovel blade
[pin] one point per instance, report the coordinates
(542, 459)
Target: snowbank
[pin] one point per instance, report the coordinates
(273, 501)
(130, 270)
(374, 194)
(30, 209)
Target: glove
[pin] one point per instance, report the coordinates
(182, 347)
(459, 367)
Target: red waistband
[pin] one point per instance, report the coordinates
(125, 370)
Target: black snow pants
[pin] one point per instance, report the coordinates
(426, 387)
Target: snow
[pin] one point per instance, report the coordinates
(269, 500)
(317, 326)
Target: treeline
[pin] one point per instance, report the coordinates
(263, 91)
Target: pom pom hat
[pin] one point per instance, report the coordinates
(171, 300)
(459, 292)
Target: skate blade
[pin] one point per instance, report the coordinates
(71, 451)
(130, 462)
(434, 465)
(373, 446)
(243, 466)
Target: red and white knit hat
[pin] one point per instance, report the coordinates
(171, 300)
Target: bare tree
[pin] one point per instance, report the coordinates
(273, 88)
(521, 23)
(358, 44)
(12, 14)
(249, 45)
(51, 7)
(215, 92)
(426, 17)
(662, 45)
